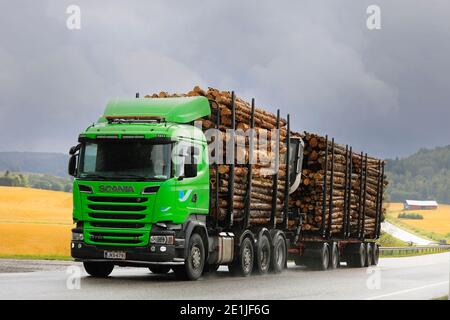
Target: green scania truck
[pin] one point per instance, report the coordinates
(143, 199)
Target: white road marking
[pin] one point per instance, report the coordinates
(407, 290)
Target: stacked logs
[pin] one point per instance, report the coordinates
(263, 157)
(353, 194)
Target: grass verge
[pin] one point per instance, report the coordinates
(35, 257)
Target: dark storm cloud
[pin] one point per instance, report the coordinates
(383, 91)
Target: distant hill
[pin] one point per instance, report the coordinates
(35, 162)
(424, 175)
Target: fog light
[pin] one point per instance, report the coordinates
(162, 249)
(77, 236)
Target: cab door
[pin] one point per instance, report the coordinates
(187, 180)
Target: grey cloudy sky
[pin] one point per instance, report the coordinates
(385, 91)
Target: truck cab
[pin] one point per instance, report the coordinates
(141, 176)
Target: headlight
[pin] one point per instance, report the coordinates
(161, 239)
(77, 236)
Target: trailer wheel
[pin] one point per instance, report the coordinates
(375, 254)
(279, 254)
(159, 269)
(98, 269)
(263, 255)
(334, 256)
(324, 259)
(369, 255)
(243, 265)
(195, 260)
(358, 258)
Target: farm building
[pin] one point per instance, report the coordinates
(420, 205)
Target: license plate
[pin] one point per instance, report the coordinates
(120, 255)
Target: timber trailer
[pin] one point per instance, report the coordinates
(133, 206)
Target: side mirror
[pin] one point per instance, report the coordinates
(72, 168)
(74, 149)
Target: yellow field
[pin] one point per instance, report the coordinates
(35, 222)
(437, 221)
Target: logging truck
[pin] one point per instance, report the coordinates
(147, 193)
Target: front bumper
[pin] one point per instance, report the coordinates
(135, 256)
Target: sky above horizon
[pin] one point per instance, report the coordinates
(385, 91)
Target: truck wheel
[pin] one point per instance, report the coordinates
(244, 263)
(195, 260)
(279, 254)
(98, 269)
(159, 269)
(263, 255)
(375, 254)
(334, 256)
(368, 261)
(358, 259)
(324, 259)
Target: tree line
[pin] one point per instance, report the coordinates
(37, 181)
(424, 175)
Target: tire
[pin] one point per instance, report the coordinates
(243, 265)
(263, 255)
(159, 269)
(375, 254)
(279, 254)
(98, 269)
(321, 259)
(195, 260)
(368, 261)
(358, 258)
(334, 256)
(324, 260)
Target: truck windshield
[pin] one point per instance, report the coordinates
(124, 160)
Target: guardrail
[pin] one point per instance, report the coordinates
(393, 251)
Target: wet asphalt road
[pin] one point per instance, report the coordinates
(422, 277)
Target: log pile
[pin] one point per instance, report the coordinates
(354, 193)
(355, 188)
(263, 161)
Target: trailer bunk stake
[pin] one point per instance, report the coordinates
(344, 227)
(363, 231)
(273, 218)
(381, 198)
(360, 195)
(250, 168)
(330, 203)
(377, 206)
(350, 184)
(232, 164)
(324, 188)
(287, 178)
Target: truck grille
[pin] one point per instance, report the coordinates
(117, 225)
(112, 216)
(117, 199)
(107, 207)
(117, 221)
